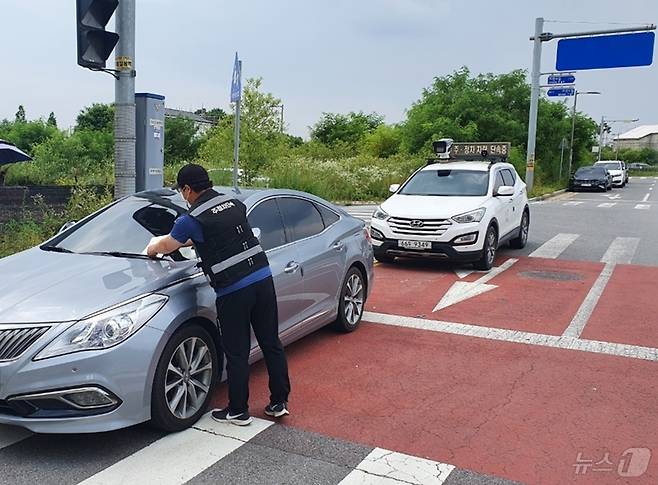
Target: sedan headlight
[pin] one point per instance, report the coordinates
(105, 329)
(473, 216)
(380, 214)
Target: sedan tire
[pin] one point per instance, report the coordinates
(352, 301)
(184, 379)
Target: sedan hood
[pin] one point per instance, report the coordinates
(430, 207)
(39, 286)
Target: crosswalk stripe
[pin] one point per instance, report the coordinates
(621, 250)
(11, 434)
(607, 205)
(179, 457)
(383, 467)
(643, 206)
(552, 248)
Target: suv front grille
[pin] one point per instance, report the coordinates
(15, 341)
(418, 227)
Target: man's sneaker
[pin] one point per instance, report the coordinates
(224, 416)
(277, 410)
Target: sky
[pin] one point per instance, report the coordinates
(316, 55)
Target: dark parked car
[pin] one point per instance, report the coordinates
(591, 178)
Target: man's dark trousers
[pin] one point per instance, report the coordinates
(252, 307)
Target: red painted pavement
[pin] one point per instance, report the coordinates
(534, 295)
(516, 411)
(627, 312)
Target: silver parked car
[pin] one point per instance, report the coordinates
(94, 336)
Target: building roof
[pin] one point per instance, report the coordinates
(639, 132)
(177, 113)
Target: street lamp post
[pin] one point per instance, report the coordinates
(573, 123)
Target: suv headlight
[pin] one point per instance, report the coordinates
(380, 214)
(105, 329)
(472, 216)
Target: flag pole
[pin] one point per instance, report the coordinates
(236, 96)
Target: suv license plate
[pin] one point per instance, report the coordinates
(415, 244)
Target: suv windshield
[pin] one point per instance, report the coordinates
(124, 227)
(610, 166)
(448, 183)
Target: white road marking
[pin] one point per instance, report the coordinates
(643, 206)
(179, 457)
(463, 273)
(516, 336)
(12, 434)
(614, 197)
(607, 205)
(390, 468)
(552, 248)
(573, 202)
(620, 251)
(646, 197)
(461, 290)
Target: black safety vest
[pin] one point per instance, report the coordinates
(229, 250)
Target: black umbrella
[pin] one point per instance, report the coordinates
(10, 153)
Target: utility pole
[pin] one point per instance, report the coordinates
(573, 123)
(124, 105)
(601, 137)
(534, 103)
(236, 97)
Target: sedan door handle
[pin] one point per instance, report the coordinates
(291, 268)
(338, 246)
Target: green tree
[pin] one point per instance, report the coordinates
(384, 142)
(492, 107)
(20, 115)
(52, 121)
(98, 117)
(181, 140)
(26, 134)
(333, 128)
(261, 141)
(215, 114)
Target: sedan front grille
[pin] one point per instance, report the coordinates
(15, 341)
(418, 227)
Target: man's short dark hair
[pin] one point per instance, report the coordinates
(195, 176)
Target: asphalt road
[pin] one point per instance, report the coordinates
(513, 380)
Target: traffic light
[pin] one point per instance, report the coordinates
(95, 44)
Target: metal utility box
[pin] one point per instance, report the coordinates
(149, 149)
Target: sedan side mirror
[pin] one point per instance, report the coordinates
(67, 226)
(394, 188)
(505, 191)
(257, 232)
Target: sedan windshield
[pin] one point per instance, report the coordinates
(448, 183)
(125, 227)
(610, 166)
(590, 172)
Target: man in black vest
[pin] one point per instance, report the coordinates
(239, 271)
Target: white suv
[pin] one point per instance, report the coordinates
(457, 210)
(617, 170)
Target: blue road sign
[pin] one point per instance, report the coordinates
(605, 51)
(236, 82)
(554, 92)
(561, 79)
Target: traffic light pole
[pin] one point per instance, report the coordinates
(534, 104)
(124, 117)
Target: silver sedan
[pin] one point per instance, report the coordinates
(94, 336)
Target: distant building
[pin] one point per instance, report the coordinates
(641, 137)
(202, 124)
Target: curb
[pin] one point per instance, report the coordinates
(547, 196)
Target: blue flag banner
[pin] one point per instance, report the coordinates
(236, 83)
